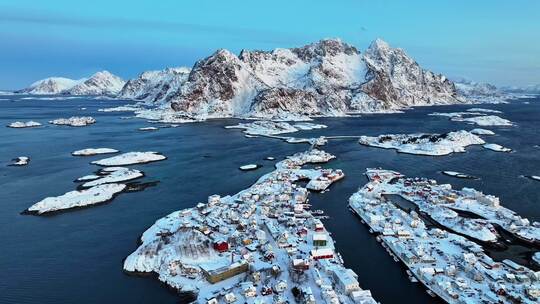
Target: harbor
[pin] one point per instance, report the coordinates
(450, 265)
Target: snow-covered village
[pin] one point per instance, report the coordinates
(261, 245)
(429, 228)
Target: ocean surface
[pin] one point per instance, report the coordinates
(76, 256)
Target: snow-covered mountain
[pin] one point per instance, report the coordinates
(154, 86)
(50, 86)
(101, 83)
(530, 89)
(329, 77)
(484, 92)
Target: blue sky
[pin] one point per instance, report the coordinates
(495, 41)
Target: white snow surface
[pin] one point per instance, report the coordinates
(457, 174)
(93, 151)
(249, 167)
(73, 199)
(497, 148)
(148, 129)
(24, 124)
(482, 110)
(113, 175)
(130, 158)
(21, 161)
(478, 131)
(485, 121)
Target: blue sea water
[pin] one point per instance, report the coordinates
(77, 256)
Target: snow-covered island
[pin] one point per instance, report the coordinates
(424, 144)
(533, 177)
(148, 129)
(269, 127)
(77, 198)
(249, 167)
(130, 158)
(487, 120)
(110, 175)
(24, 124)
(497, 148)
(261, 245)
(482, 110)
(400, 211)
(74, 121)
(458, 174)
(479, 131)
(20, 161)
(93, 151)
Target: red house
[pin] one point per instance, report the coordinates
(221, 246)
(323, 253)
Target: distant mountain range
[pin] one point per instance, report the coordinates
(531, 89)
(101, 83)
(329, 77)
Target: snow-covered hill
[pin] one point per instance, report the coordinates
(101, 83)
(50, 86)
(329, 77)
(326, 78)
(154, 86)
(477, 91)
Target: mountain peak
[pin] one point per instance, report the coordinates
(324, 48)
(101, 83)
(103, 73)
(379, 44)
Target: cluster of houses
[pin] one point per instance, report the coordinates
(450, 265)
(262, 245)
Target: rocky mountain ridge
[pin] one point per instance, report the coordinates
(325, 78)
